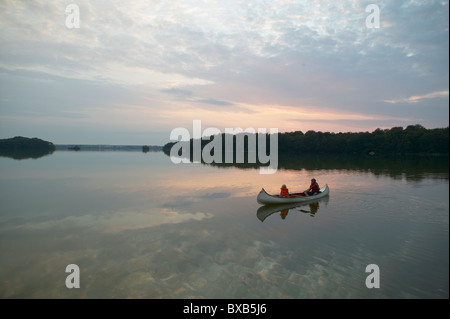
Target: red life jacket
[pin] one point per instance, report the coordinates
(314, 188)
(284, 192)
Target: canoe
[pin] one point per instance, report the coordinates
(264, 198)
(266, 210)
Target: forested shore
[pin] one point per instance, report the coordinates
(414, 139)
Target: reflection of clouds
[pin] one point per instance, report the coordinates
(135, 243)
(191, 255)
(190, 199)
(116, 221)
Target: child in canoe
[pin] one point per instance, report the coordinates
(284, 191)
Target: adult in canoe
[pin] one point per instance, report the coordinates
(313, 189)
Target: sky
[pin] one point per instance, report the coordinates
(132, 71)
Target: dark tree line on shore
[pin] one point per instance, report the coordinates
(414, 139)
(23, 147)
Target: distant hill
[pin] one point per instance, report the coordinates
(23, 147)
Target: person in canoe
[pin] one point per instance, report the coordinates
(284, 191)
(313, 189)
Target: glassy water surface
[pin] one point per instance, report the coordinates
(139, 226)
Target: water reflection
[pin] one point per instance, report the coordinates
(413, 168)
(139, 226)
(21, 154)
(311, 208)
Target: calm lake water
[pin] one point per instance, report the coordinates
(139, 226)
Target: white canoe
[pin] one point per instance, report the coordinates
(265, 211)
(264, 198)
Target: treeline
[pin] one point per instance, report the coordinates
(414, 139)
(234, 148)
(23, 147)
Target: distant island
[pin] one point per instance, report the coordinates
(107, 147)
(414, 139)
(23, 147)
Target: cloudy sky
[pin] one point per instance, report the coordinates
(135, 70)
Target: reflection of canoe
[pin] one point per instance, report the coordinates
(264, 198)
(266, 210)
